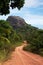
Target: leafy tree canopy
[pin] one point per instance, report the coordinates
(6, 4)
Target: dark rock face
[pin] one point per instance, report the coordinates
(16, 21)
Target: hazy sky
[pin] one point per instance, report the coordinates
(32, 12)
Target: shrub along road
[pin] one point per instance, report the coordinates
(21, 57)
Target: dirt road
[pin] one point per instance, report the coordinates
(20, 57)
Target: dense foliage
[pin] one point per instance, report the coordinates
(6, 4)
(34, 37)
(8, 39)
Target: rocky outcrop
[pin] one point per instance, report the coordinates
(16, 21)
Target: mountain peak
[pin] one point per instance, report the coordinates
(16, 21)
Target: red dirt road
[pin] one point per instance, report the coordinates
(20, 57)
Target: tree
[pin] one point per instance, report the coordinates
(6, 4)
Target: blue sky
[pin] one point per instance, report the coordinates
(32, 12)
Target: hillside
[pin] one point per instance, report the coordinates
(31, 34)
(20, 26)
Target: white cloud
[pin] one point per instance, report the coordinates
(34, 19)
(3, 17)
(33, 3)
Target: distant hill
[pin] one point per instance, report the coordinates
(21, 27)
(16, 21)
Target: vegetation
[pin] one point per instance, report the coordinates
(6, 4)
(8, 39)
(34, 37)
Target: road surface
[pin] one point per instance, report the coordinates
(20, 57)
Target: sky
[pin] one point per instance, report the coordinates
(32, 12)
